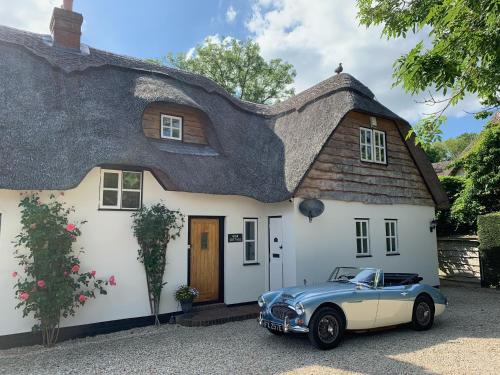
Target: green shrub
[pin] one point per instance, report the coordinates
(488, 230)
(447, 224)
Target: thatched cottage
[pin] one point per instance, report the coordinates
(115, 133)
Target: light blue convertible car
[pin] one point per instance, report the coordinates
(353, 299)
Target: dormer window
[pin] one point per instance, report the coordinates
(372, 145)
(171, 127)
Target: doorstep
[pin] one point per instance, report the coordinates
(209, 315)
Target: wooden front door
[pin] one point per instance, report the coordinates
(204, 258)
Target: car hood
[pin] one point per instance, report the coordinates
(298, 292)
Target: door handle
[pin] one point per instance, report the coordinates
(404, 293)
(281, 246)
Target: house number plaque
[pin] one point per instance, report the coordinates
(235, 237)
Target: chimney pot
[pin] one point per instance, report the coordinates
(66, 26)
(68, 5)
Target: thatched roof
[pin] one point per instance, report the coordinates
(64, 113)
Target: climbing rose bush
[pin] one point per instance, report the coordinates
(50, 284)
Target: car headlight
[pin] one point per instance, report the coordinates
(261, 301)
(299, 309)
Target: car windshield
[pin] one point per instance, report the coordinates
(354, 275)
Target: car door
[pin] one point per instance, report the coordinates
(395, 306)
(360, 308)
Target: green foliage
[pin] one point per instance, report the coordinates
(185, 293)
(481, 194)
(154, 227)
(488, 230)
(453, 185)
(463, 54)
(239, 68)
(52, 285)
(450, 149)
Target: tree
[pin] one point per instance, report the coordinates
(481, 194)
(154, 227)
(463, 55)
(454, 147)
(239, 68)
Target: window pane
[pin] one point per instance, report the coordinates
(131, 199)
(176, 123)
(359, 246)
(204, 240)
(363, 229)
(166, 132)
(369, 153)
(393, 229)
(363, 137)
(368, 137)
(176, 133)
(249, 250)
(111, 180)
(365, 245)
(387, 230)
(110, 198)
(131, 180)
(358, 229)
(388, 244)
(249, 230)
(393, 242)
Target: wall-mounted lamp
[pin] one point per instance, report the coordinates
(373, 122)
(433, 225)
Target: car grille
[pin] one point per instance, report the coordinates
(282, 311)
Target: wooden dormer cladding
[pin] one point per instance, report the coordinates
(338, 172)
(194, 122)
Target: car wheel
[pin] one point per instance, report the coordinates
(423, 313)
(326, 328)
(275, 332)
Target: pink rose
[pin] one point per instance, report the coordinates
(92, 273)
(24, 296)
(75, 268)
(40, 283)
(70, 227)
(82, 298)
(14, 274)
(112, 280)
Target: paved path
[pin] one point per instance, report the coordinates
(465, 340)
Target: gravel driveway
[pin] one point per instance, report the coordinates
(465, 340)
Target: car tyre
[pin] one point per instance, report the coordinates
(326, 328)
(423, 313)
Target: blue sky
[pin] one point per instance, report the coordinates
(313, 36)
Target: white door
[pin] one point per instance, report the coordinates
(275, 253)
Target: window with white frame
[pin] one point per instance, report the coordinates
(120, 190)
(171, 127)
(362, 237)
(250, 240)
(391, 236)
(372, 146)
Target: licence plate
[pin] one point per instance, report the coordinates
(273, 326)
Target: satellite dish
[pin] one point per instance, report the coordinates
(311, 208)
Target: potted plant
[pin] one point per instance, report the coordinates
(185, 296)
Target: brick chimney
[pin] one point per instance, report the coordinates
(66, 26)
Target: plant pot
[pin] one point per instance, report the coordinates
(186, 306)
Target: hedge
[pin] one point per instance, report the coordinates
(488, 230)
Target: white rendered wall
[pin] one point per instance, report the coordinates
(111, 249)
(329, 241)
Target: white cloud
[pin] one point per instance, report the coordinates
(31, 15)
(231, 14)
(316, 36)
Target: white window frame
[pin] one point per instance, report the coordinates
(392, 235)
(169, 125)
(120, 190)
(255, 240)
(377, 143)
(362, 237)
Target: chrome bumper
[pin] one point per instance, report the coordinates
(287, 327)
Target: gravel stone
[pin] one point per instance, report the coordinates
(465, 340)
